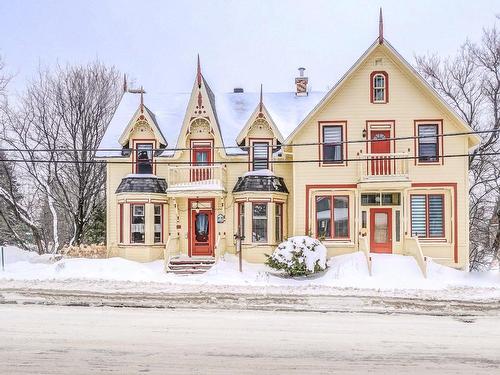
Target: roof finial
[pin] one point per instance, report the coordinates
(198, 72)
(260, 101)
(125, 87)
(142, 99)
(380, 28)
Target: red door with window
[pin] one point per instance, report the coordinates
(202, 233)
(380, 144)
(201, 159)
(381, 230)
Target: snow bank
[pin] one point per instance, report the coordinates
(389, 272)
(296, 252)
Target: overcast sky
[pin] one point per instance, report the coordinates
(241, 43)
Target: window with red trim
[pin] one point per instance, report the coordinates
(144, 158)
(158, 220)
(379, 87)
(428, 146)
(332, 209)
(260, 155)
(427, 215)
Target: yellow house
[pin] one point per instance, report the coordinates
(370, 165)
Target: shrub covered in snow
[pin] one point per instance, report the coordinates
(299, 256)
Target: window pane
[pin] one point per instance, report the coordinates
(391, 199)
(379, 81)
(259, 223)
(427, 146)
(260, 155)
(144, 156)
(363, 219)
(158, 223)
(379, 95)
(370, 199)
(278, 225)
(241, 208)
(436, 220)
(398, 225)
(341, 216)
(332, 147)
(323, 217)
(137, 224)
(418, 219)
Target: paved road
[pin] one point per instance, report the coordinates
(81, 340)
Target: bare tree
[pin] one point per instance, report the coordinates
(470, 82)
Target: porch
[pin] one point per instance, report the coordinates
(199, 178)
(383, 167)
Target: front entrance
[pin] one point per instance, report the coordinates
(201, 228)
(380, 165)
(381, 230)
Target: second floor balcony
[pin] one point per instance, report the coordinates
(196, 178)
(383, 167)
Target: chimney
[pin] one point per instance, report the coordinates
(301, 83)
(238, 90)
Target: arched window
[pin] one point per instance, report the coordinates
(379, 87)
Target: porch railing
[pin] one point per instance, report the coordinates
(382, 166)
(412, 246)
(196, 175)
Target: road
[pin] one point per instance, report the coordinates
(81, 340)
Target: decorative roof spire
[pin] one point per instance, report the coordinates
(380, 28)
(142, 99)
(125, 86)
(261, 102)
(198, 72)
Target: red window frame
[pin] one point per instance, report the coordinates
(372, 87)
(135, 144)
(427, 222)
(344, 145)
(332, 197)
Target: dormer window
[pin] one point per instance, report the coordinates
(260, 155)
(379, 87)
(144, 158)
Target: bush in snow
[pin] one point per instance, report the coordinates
(298, 256)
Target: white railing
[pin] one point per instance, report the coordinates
(196, 175)
(363, 246)
(381, 166)
(412, 246)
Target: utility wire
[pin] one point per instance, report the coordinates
(381, 158)
(250, 147)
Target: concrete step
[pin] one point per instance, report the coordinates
(182, 265)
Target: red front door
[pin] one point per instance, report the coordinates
(380, 165)
(201, 233)
(381, 230)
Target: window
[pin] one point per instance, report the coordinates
(260, 155)
(428, 149)
(363, 219)
(384, 199)
(144, 158)
(278, 224)
(379, 82)
(427, 215)
(332, 144)
(339, 216)
(158, 209)
(121, 222)
(241, 220)
(137, 223)
(398, 226)
(259, 222)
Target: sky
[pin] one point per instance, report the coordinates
(241, 43)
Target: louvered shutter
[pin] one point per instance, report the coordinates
(418, 217)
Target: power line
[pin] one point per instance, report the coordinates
(382, 158)
(366, 141)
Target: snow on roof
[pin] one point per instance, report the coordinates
(233, 111)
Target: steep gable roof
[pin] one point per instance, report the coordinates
(406, 67)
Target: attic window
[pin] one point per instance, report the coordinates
(144, 158)
(379, 87)
(260, 155)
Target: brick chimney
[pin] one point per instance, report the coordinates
(301, 83)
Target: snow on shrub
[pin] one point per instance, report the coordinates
(298, 256)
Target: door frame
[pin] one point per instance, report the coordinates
(211, 224)
(389, 248)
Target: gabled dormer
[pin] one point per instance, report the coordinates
(260, 136)
(143, 137)
(200, 127)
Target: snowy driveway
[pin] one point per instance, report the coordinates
(78, 340)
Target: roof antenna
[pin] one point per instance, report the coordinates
(261, 101)
(142, 99)
(198, 72)
(125, 87)
(380, 28)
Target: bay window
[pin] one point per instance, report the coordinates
(259, 222)
(278, 223)
(427, 215)
(332, 217)
(158, 220)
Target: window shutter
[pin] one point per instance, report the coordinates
(418, 217)
(436, 216)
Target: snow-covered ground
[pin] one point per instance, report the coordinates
(389, 272)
